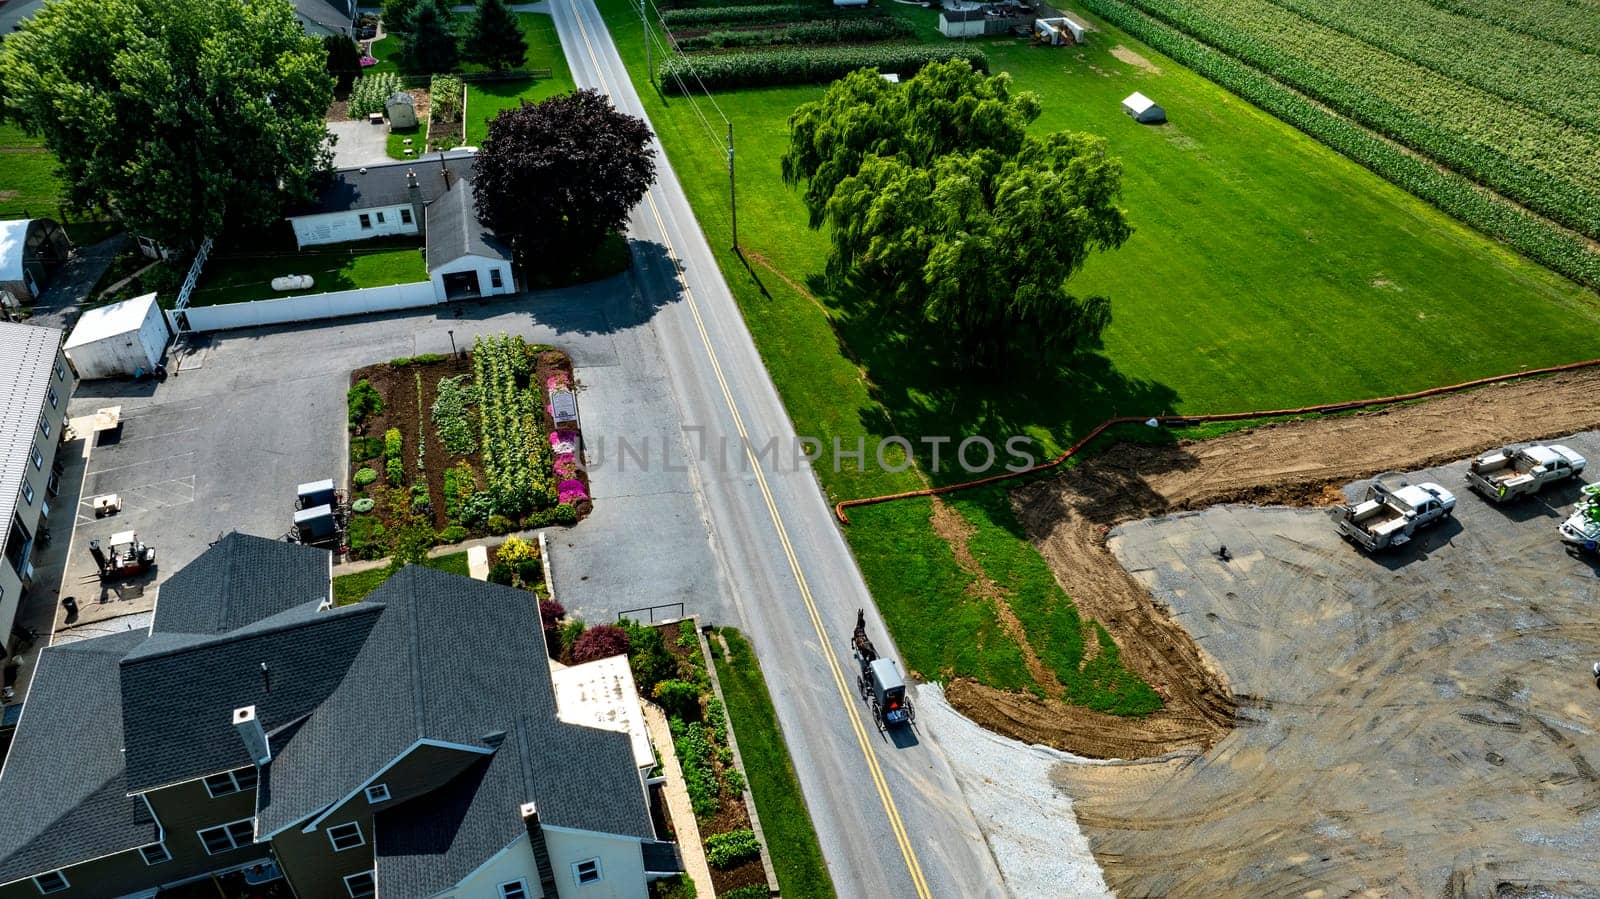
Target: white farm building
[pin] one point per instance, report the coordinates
(1143, 109)
(119, 339)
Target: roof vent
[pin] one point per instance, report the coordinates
(494, 738)
(530, 810)
(411, 177)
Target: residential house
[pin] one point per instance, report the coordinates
(432, 198)
(324, 17)
(37, 382)
(31, 251)
(407, 746)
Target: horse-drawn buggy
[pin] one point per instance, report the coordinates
(880, 682)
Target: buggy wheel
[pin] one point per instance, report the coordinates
(861, 686)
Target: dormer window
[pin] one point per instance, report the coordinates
(377, 793)
(229, 782)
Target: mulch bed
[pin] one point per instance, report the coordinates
(398, 387)
(731, 813)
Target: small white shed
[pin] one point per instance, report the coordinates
(1143, 109)
(118, 339)
(961, 22)
(401, 110)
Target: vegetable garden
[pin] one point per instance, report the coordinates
(445, 448)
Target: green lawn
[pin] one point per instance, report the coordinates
(485, 99)
(238, 277)
(28, 185)
(784, 820)
(349, 588)
(1264, 271)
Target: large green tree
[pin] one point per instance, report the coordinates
(494, 37)
(937, 197)
(177, 116)
(429, 46)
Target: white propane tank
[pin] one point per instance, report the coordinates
(292, 282)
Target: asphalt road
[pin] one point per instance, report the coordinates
(888, 810)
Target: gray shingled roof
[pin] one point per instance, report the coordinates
(454, 230)
(368, 187)
(179, 690)
(321, 12)
(241, 581)
(27, 357)
(63, 794)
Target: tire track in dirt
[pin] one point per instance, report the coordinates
(1297, 463)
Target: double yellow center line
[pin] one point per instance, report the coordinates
(846, 694)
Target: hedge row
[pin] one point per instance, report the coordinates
(805, 65)
(844, 31)
(747, 15)
(1537, 238)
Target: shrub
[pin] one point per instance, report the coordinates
(840, 31)
(1540, 240)
(368, 538)
(728, 850)
(364, 448)
(733, 779)
(499, 524)
(805, 65)
(369, 92)
(600, 642)
(459, 484)
(570, 632)
(444, 97)
(746, 15)
(515, 551)
(502, 574)
(363, 400)
(363, 505)
(423, 359)
(748, 891)
(717, 720)
(679, 698)
(550, 615)
(364, 476)
(394, 468)
(455, 533)
(649, 658)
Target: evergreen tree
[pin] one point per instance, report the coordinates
(430, 44)
(494, 37)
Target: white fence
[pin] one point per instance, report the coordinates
(304, 308)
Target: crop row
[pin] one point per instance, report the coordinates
(747, 15)
(806, 65)
(1568, 24)
(1528, 157)
(1556, 80)
(1536, 238)
(512, 438)
(842, 31)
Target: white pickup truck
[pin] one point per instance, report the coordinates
(1389, 517)
(1508, 473)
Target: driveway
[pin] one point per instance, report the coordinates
(248, 415)
(359, 143)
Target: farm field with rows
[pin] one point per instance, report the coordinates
(1515, 111)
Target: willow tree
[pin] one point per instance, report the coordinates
(936, 195)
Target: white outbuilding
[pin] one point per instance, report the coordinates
(1143, 109)
(401, 110)
(119, 339)
(962, 22)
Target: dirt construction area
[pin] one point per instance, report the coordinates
(1418, 722)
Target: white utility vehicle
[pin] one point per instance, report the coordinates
(1389, 517)
(1509, 473)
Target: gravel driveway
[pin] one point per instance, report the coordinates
(358, 144)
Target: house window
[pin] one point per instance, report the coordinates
(52, 882)
(405, 216)
(38, 458)
(362, 884)
(44, 425)
(586, 871)
(516, 889)
(378, 793)
(346, 836)
(380, 218)
(229, 782)
(155, 854)
(61, 370)
(27, 493)
(494, 278)
(228, 836)
(50, 394)
(366, 221)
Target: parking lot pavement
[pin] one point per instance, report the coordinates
(249, 415)
(1421, 721)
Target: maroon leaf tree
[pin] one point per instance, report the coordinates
(550, 615)
(599, 642)
(556, 177)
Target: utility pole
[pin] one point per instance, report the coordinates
(644, 19)
(733, 197)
